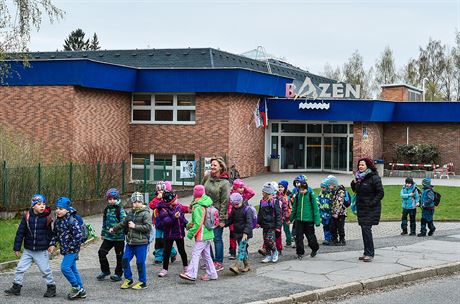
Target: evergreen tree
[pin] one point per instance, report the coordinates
(76, 41)
(94, 44)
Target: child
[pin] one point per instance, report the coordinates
(161, 187)
(137, 229)
(294, 191)
(174, 223)
(113, 215)
(67, 231)
(283, 196)
(427, 205)
(269, 218)
(35, 231)
(410, 198)
(247, 193)
(241, 219)
(305, 212)
(339, 203)
(203, 237)
(324, 204)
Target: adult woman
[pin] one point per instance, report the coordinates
(369, 192)
(217, 187)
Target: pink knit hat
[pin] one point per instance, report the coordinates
(168, 186)
(238, 183)
(198, 191)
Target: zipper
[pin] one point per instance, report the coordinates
(301, 209)
(35, 231)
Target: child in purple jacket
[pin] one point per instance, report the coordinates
(172, 217)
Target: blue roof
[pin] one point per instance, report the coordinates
(363, 110)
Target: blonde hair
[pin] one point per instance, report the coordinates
(265, 196)
(220, 160)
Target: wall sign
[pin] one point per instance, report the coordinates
(323, 90)
(188, 169)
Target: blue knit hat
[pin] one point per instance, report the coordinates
(324, 183)
(426, 182)
(113, 193)
(36, 199)
(332, 180)
(284, 183)
(64, 203)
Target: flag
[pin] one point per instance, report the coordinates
(264, 114)
(257, 118)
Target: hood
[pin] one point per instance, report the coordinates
(204, 201)
(411, 188)
(161, 204)
(223, 175)
(140, 210)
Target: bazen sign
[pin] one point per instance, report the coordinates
(309, 90)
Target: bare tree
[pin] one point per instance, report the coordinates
(385, 71)
(331, 73)
(354, 73)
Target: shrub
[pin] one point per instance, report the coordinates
(418, 153)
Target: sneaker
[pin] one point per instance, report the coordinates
(102, 276)
(267, 259)
(139, 286)
(186, 277)
(293, 245)
(430, 233)
(232, 257)
(313, 253)
(74, 293)
(82, 294)
(127, 284)
(207, 278)
(275, 257)
(421, 234)
(218, 266)
(361, 258)
(367, 258)
(163, 273)
(115, 278)
(299, 257)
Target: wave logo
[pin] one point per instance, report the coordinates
(314, 106)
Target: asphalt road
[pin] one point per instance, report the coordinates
(443, 290)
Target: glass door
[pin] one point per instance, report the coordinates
(292, 152)
(313, 152)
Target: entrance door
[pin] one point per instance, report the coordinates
(292, 152)
(314, 153)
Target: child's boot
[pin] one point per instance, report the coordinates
(404, 231)
(235, 268)
(342, 241)
(15, 290)
(247, 266)
(50, 291)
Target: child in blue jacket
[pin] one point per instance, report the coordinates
(324, 204)
(410, 198)
(427, 205)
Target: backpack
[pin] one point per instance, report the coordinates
(211, 219)
(83, 225)
(437, 198)
(254, 215)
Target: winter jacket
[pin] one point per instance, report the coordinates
(285, 207)
(36, 233)
(67, 233)
(111, 220)
(269, 215)
(369, 194)
(324, 205)
(241, 219)
(305, 208)
(427, 201)
(409, 202)
(197, 227)
(156, 212)
(140, 234)
(338, 204)
(218, 189)
(173, 228)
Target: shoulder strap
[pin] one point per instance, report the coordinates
(118, 212)
(27, 217)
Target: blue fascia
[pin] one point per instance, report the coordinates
(363, 111)
(98, 75)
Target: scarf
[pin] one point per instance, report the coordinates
(361, 175)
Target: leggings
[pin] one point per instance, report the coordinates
(180, 248)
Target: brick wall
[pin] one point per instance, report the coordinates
(371, 147)
(399, 93)
(445, 135)
(221, 129)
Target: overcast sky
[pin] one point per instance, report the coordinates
(306, 33)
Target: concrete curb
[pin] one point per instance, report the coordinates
(364, 285)
(12, 264)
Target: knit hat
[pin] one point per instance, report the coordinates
(137, 197)
(426, 182)
(168, 186)
(112, 193)
(283, 183)
(37, 198)
(332, 180)
(198, 191)
(169, 197)
(64, 203)
(235, 198)
(409, 180)
(268, 188)
(238, 183)
(161, 186)
(324, 182)
(303, 184)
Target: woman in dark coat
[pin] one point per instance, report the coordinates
(369, 192)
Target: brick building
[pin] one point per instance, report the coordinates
(186, 104)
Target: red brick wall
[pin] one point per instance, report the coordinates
(445, 135)
(400, 93)
(221, 128)
(372, 146)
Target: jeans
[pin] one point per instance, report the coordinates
(218, 245)
(368, 240)
(307, 229)
(411, 213)
(41, 258)
(201, 249)
(140, 251)
(70, 271)
(106, 246)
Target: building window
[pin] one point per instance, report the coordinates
(163, 108)
(415, 96)
(157, 167)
